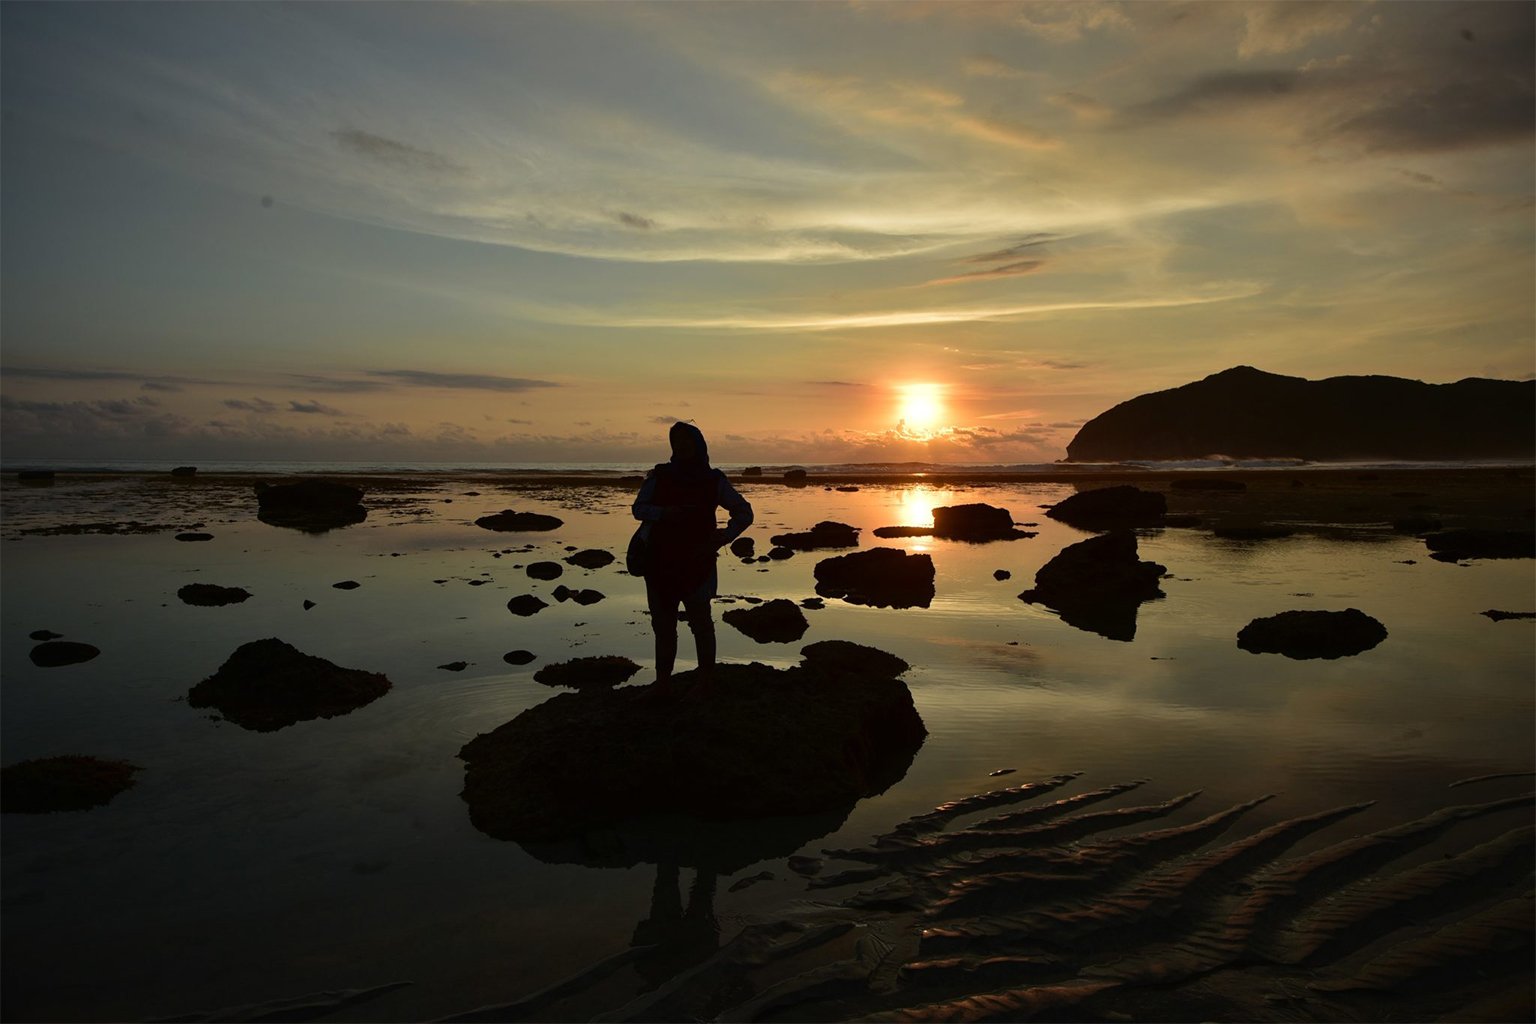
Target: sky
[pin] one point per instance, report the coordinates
(824, 232)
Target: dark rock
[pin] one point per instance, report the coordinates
(313, 506)
(1312, 634)
(804, 865)
(825, 534)
(1097, 584)
(591, 558)
(1208, 483)
(1244, 412)
(849, 489)
(45, 634)
(68, 783)
(974, 522)
(586, 597)
(1184, 519)
(1111, 508)
(902, 531)
(545, 570)
(600, 672)
(1499, 616)
(815, 604)
(742, 883)
(794, 475)
(518, 657)
(777, 621)
(766, 743)
(210, 595)
(1001, 574)
(1455, 545)
(779, 553)
(1001, 771)
(266, 685)
(35, 476)
(509, 521)
(184, 471)
(58, 653)
(308, 604)
(455, 666)
(844, 657)
(525, 605)
(1251, 531)
(743, 547)
(752, 471)
(346, 585)
(194, 536)
(562, 593)
(881, 577)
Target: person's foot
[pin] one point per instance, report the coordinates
(703, 688)
(661, 690)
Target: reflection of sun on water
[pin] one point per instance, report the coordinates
(915, 505)
(921, 408)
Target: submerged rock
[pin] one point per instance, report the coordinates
(507, 521)
(844, 657)
(526, 604)
(211, 595)
(1097, 584)
(776, 621)
(518, 657)
(975, 522)
(313, 506)
(764, 743)
(892, 532)
(44, 634)
(545, 570)
(193, 536)
(70, 783)
(600, 672)
(1455, 545)
(591, 558)
(825, 534)
(1498, 615)
(564, 593)
(1111, 508)
(267, 684)
(1312, 634)
(57, 653)
(880, 577)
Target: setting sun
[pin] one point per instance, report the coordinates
(921, 406)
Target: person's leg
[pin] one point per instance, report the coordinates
(664, 624)
(701, 621)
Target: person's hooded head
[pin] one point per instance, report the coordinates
(690, 452)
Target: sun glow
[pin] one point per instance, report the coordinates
(921, 407)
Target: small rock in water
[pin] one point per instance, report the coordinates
(778, 553)
(742, 883)
(455, 666)
(1499, 616)
(600, 672)
(1001, 771)
(194, 536)
(778, 621)
(813, 603)
(308, 604)
(518, 657)
(57, 653)
(210, 595)
(545, 570)
(804, 865)
(526, 604)
(45, 634)
(508, 520)
(347, 585)
(1002, 574)
(1312, 634)
(744, 548)
(592, 558)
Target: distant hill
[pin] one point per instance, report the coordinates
(1247, 413)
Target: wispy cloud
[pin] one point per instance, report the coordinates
(392, 152)
(1018, 269)
(149, 382)
(468, 381)
(256, 405)
(313, 408)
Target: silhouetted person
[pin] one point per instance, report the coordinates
(678, 502)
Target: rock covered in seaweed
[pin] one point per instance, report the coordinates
(977, 521)
(1312, 634)
(508, 520)
(776, 621)
(598, 672)
(313, 506)
(70, 783)
(766, 742)
(267, 684)
(881, 577)
(591, 558)
(825, 534)
(58, 653)
(1111, 508)
(211, 595)
(1097, 584)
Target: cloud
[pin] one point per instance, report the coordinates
(634, 220)
(313, 407)
(340, 385)
(159, 385)
(1026, 243)
(1066, 21)
(836, 384)
(150, 382)
(467, 381)
(1281, 26)
(256, 405)
(392, 152)
(984, 65)
(1007, 270)
(60, 422)
(663, 421)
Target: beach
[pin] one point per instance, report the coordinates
(334, 854)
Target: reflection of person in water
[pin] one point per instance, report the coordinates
(677, 502)
(680, 938)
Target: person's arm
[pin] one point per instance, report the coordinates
(645, 508)
(739, 508)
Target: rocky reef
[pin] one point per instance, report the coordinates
(266, 685)
(313, 506)
(1312, 634)
(879, 577)
(1097, 584)
(1121, 507)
